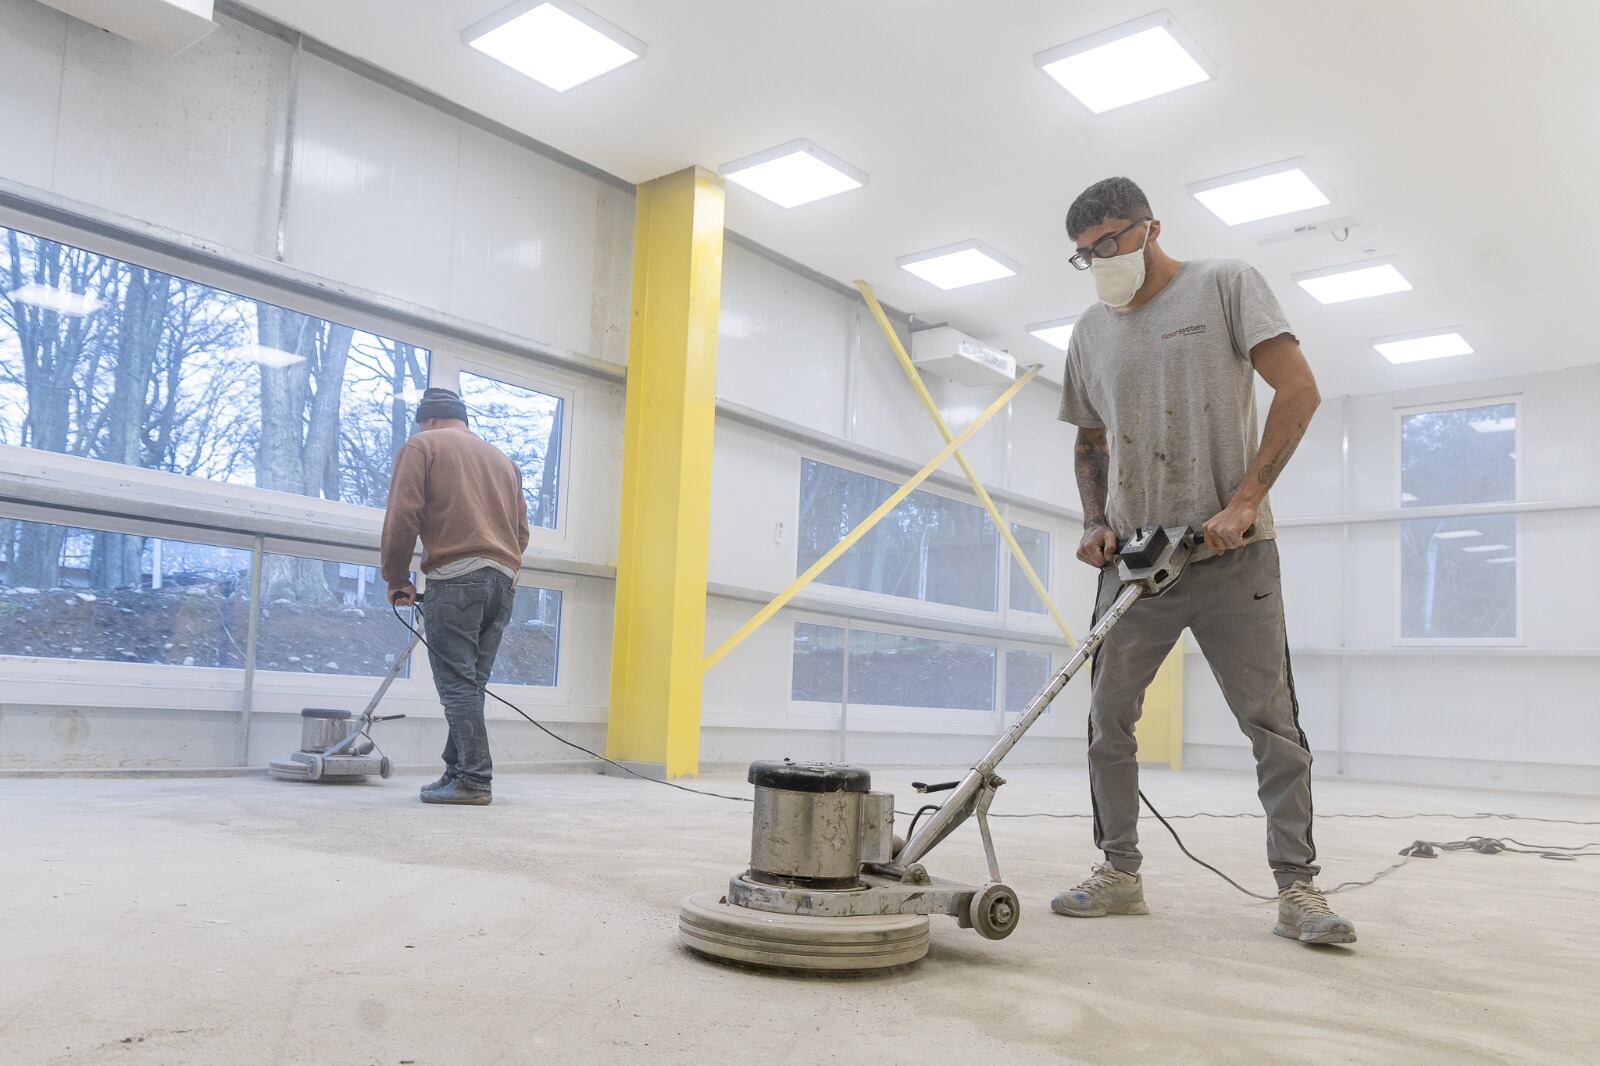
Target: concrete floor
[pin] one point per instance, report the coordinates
(252, 921)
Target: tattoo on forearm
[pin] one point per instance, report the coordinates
(1274, 466)
(1092, 463)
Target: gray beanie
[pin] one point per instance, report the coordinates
(440, 403)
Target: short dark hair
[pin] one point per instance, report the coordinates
(1110, 198)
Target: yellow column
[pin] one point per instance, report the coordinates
(658, 637)
(1159, 733)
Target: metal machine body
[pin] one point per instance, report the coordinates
(336, 747)
(823, 844)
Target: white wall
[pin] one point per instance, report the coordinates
(1521, 717)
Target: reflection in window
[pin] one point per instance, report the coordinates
(1026, 673)
(69, 593)
(526, 425)
(530, 649)
(109, 360)
(929, 548)
(321, 617)
(1458, 576)
(818, 663)
(1035, 544)
(900, 671)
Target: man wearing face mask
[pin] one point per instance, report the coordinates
(1160, 381)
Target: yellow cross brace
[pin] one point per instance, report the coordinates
(966, 468)
(833, 553)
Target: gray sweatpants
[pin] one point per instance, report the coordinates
(1234, 606)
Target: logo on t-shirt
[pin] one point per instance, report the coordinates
(1186, 331)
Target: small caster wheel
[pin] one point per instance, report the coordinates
(994, 911)
(385, 767)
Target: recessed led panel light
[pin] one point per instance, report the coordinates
(1263, 192)
(62, 301)
(958, 265)
(1128, 63)
(557, 43)
(1355, 281)
(1415, 347)
(1502, 559)
(1457, 534)
(1494, 425)
(1488, 548)
(795, 173)
(1056, 333)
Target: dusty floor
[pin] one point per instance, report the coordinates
(253, 921)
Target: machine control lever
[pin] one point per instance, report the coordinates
(924, 788)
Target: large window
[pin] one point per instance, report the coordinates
(530, 651)
(898, 671)
(1026, 673)
(929, 548)
(526, 425)
(1035, 544)
(69, 593)
(109, 360)
(320, 617)
(1458, 576)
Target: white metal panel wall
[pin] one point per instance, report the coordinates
(189, 142)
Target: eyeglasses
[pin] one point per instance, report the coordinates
(1104, 248)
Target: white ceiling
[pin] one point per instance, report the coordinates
(1462, 134)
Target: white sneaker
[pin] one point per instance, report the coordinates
(1107, 890)
(1304, 915)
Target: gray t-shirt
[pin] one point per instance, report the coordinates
(1172, 385)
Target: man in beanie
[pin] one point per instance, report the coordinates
(463, 497)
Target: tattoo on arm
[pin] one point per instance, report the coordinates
(1274, 466)
(1092, 463)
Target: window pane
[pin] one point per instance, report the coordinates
(929, 548)
(526, 425)
(818, 663)
(1036, 546)
(1459, 577)
(530, 649)
(108, 360)
(68, 593)
(897, 671)
(1026, 674)
(321, 617)
(1462, 456)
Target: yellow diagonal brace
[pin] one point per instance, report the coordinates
(833, 553)
(966, 468)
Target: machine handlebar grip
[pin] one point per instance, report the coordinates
(924, 787)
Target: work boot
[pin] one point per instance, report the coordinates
(1303, 915)
(455, 792)
(1107, 890)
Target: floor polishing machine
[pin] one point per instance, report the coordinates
(830, 887)
(336, 746)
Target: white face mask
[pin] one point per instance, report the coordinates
(1117, 279)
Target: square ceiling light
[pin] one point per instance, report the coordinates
(1356, 281)
(555, 42)
(1263, 192)
(1429, 344)
(1056, 333)
(795, 173)
(1147, 57)
(61, 301)
(955, 266)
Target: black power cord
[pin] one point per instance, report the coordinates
(1420, 849)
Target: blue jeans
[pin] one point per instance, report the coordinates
(466, 617)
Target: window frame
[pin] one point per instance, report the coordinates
(1401, 412)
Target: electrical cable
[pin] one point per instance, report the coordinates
(1419, 849)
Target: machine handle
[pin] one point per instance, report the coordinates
(924, 787)
(386, 717)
